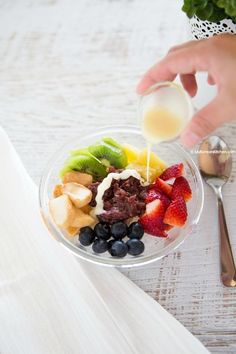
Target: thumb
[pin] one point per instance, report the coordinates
(206, 121)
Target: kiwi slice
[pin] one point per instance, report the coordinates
(109, 154)
(86, 163)
(83, 151)
(112, 142)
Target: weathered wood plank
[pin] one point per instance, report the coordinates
(66, 64)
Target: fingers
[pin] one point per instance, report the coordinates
(210, 80)
(189, 80)
(182, 61)
(185, 45)
(189, 83)
(206, 121)
(146, 82)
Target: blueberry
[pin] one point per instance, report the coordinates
(135, 246)
(118, 249)
(135, 230)
(86, 236)
(99, 246)
(109, 244)
(103, 231)
(119, 230)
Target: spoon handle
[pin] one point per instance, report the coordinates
(228, 270)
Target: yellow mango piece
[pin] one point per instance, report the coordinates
(155, 161)
(142, 170)
(153, 174)
(132, 153)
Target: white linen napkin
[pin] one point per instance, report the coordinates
(51, 303)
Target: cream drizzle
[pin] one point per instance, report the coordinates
(106, 183)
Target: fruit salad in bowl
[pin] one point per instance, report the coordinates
(110, 200)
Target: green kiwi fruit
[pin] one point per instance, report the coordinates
(85, 163)
(112, 142)
(83, 151)
(109, 154)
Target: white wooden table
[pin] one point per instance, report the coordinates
(67, 65)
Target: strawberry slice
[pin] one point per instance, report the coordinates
(152, 220)
(162, 186)
(182, 188)
(157, 228)
(154, 194)
(176, 213)
(172, 172)
(168, 227)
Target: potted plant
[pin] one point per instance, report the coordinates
(211, 17)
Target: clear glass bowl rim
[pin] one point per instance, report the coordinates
(123, 262)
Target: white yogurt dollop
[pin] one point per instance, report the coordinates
(106, 183)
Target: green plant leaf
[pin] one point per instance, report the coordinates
(218, 15)
(230, 10)
(189, 8)
(200, 3)
(221, 3)
(233, 3)
(228, 5)
(206, 12)
(210, 10)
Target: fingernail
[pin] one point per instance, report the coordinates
(139, 88)
(189, 139)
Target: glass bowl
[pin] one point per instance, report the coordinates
(155, 247)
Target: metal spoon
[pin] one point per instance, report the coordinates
(215, 163)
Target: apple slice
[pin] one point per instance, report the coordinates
(62, 211)
(79, 194)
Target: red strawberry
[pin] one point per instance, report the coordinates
(182, 188)
(168, 227)
(162, 186)
(156, 228)
(156, 208)
(152, 220)
(173, 172)
(154, 194)
(176, 213)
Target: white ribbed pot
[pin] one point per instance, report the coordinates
(205, 29)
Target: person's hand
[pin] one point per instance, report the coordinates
(217, 57)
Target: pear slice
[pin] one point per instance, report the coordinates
(81, 219)
(86, 209)
(57, 192)
(78, 177)
(72, 231)
(62, 211)
(79, 194)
